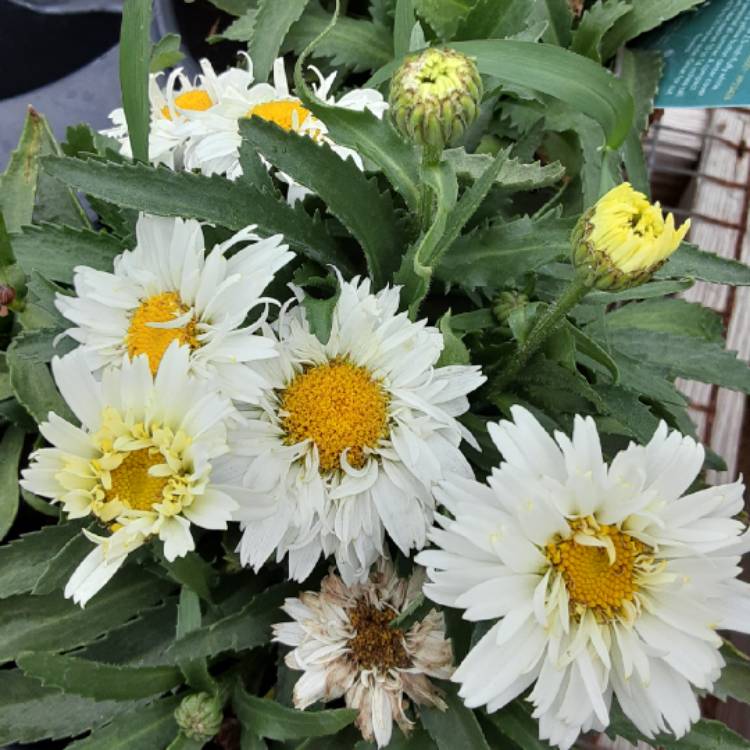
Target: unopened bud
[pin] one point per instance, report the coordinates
(506, 303)
(435, 97)
(199, 716)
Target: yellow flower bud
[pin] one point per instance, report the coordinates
(435, 96)
(624, 239)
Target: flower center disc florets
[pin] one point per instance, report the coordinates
(131, 483)
(375, 645)
(600, 566)
(144, 338)
(339, 407)
(288, 114)
(140, 466)
(196, 100)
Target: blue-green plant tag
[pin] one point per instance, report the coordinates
(706, 55)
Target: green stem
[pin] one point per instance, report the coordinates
(578, 288)
(431, 157)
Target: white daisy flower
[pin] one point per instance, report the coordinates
(215, 150)
(604, 579)
(351, 436)
(344, 645)
(145, 461)
(177, 110)
(167, 289)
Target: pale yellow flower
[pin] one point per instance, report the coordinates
(625, 238)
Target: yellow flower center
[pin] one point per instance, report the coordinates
(144, 338)
(375, 645)
(338, 406)
(196, 100)
(131, 483)
(600, 566)
(287, 113)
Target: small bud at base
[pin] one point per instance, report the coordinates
(199, 716)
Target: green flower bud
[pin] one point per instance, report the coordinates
(624, 239)
(506, 303)
(435, 97)
(199, 716)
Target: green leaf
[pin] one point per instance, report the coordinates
(234, 7)
(10, 449)
(57, 250)
(95, 679)
(192, 571)
(24, 560)
(353, 43)
(135, 57)
(246, 629)
(641, 71)
(580, 83)
(444, 16)
(454, 350)
(668, 316)
(23, 192)
(166, 53)
(644, 16)
(625, 406)
(216, 200)
(30, 712)
(515, 722)
(32, 384)
(735, 677)
(651, 382)
(374, 139)
(61, 565)
(455, 728)
(18, 182)
(188, 620)
(142, 641)
(494, 256)
(692, 262)
(402, 27)
(494, 19)
(143, 728)
(558, 17)
(350, 196)
(266, 718)
(594, 24)
(705, 735)
(683, 356)
(272, 22)
(52, 622)
(513, 176)
(240, 30)
(319, 314)
(587, 346)
(183, 742)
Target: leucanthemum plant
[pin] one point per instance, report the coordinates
(603, 580)
(143, 462)
(196, 126)
(180, 109)
(350, 436)
(344, 642)
(389, 292)
(170, 288)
